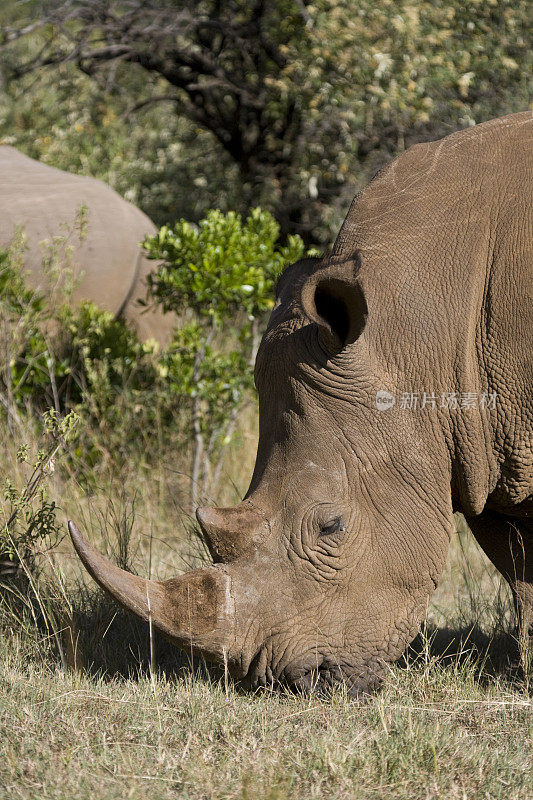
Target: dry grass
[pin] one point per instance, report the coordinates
(435, 731)
(453, 720)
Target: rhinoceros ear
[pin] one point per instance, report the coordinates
(333, 298)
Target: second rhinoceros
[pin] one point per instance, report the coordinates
(108, 262)
(324, 571)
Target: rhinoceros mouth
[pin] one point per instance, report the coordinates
(325, 681)
(320, 680)
(329, 678)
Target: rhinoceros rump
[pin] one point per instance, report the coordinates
(42, 199)
(324, 571)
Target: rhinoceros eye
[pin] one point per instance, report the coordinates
(335, 526)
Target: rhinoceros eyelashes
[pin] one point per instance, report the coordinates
(334, 526)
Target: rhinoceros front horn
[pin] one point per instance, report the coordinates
(194, 610)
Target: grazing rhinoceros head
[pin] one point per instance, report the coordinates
(324, 571)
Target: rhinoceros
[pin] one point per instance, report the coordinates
(324, 571)
(109, 261)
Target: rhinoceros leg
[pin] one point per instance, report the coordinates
(508, 542)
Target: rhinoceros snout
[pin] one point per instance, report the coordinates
(315, 675)
(328, 678)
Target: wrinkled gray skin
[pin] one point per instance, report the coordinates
(325, 570)
(109, 262)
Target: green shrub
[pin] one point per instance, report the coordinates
(28, 516)
(105, 359)
(221, 267)
(23, 316)
(219, 278)
(221, 273)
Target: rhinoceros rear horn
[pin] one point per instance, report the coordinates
(333, 298)
(230, 532)
(191, 610)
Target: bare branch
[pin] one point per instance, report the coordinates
(224, 63)
(306, 16)
(157, 98)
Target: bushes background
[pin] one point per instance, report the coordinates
(306, 101)
(129, 395)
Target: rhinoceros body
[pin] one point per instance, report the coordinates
(394, 388)
(45, 202)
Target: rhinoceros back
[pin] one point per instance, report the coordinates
(45, 202)
(445, 235)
